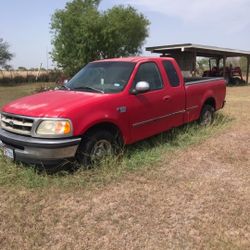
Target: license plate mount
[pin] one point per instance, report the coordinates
(7, 152)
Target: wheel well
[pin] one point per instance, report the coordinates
(210, 101)
(112, 128)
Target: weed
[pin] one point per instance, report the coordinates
(144, 154)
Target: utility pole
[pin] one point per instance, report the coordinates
(47, 58)
(38, 73)
(248, 63)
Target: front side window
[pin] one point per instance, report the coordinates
(149, 72)
(105, 77)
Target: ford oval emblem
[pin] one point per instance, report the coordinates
(11, 123)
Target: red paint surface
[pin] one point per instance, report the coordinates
(86, 109)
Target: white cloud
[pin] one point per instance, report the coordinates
(232, 15)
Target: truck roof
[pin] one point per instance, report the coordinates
(131, 59)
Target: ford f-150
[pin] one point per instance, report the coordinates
(108, 103)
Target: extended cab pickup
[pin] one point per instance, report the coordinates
(108, 103)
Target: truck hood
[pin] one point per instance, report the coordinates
(51, 104)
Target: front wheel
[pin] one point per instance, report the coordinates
(207, 115)
(96, 146)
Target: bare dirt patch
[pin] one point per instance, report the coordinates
(195, 198)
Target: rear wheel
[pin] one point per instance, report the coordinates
(95, 146)
(207, 115)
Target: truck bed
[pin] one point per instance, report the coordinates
(198, 80)
(200, 89)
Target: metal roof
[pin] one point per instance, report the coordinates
(200, 50)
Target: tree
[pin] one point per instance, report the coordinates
(81, 33)
(5, 55)
(21, 68)
(124, 32)
(203, 63)
(243, 64)
(8, 67)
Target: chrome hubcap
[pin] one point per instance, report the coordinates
(207, 118)
(100, 150)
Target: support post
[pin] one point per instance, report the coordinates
(248, 62)
(194, 63)
(218, 63)
(224, 66)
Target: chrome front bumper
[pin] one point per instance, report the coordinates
(39, 151)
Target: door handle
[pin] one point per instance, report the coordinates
(166, 98)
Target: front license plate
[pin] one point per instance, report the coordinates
(8, 152)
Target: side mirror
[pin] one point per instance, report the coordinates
(141, 87)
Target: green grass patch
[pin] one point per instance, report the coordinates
(9, 93)
(143, 155)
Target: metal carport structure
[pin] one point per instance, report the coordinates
(186, 55)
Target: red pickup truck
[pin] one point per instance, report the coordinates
(108, 103)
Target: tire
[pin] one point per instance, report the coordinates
(95, 146)
(207, 115)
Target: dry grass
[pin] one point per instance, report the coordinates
(197, 197)
(23, 73)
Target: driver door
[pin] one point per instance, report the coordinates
(147, 110)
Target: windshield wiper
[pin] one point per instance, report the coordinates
(89, 88)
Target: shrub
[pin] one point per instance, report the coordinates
(5, 80)
(31, 78)
(55, 76)
(43, 78)
(19, 79)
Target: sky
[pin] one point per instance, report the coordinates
(25, 25)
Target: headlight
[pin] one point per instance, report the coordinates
(55, 128)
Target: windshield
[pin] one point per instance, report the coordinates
(103, 77)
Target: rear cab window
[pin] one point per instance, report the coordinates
(171, 73)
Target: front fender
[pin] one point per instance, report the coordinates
(85, 122)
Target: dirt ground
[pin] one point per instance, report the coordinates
(198, 198)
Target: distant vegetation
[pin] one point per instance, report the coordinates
(203, 63)
(5, 55)
(11, 77)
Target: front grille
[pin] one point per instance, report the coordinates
(17, 124)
